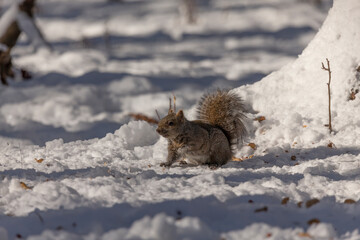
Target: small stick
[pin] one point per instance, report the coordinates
(329, 93)
(157, 113)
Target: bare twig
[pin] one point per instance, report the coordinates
(157, 113)
(329, 93)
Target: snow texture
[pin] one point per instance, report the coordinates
(74, 165)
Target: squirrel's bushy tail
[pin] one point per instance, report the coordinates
(226, 111)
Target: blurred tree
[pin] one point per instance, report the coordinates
(18, 18)
(189, 10)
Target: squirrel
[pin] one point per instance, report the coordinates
(212, 138)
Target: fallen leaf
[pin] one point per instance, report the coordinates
(250, 201)
(304, 235)
(24, 186)
(349, 201)
(313, 221)
(352, 95)
(331, 145)
(293, 157)
(304, 126)
(252, 145)
(268, 235)
(263, 209)
(311, 202)
(285, 200)
(235, 159)
(18, 235)
(178, 215)
(39, 160)
(260, 119)
(25, 74)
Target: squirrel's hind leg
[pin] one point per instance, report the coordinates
(220, 151)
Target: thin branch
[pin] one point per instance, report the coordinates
(157, 113)
(329, 92)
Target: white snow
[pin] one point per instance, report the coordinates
(74, 165)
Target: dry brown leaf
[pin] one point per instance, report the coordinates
(139, 116)
(311, 202)
(349, 201)
(39, 160)
(24, 186)
(235, 159)
(304, 235)
(285, 200)
(268, 235)
(263, 209)
(353, 94)
(293, 157)
(331, 145)
(313, 221)
(252, 145)
(304, 126)
(260, 118)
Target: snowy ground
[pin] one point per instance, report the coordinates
(100, 176)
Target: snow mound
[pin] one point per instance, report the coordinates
(294, 100)
(159, 227)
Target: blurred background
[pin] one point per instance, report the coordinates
(80, 67)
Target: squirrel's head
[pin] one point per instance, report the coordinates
(170, 125)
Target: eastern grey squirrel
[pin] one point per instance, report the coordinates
(212, 138)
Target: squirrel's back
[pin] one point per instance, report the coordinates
(225, 110)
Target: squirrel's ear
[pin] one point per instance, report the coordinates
(180, 115)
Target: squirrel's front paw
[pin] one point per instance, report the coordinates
(165, 164)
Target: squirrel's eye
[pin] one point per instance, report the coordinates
(171, 123)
